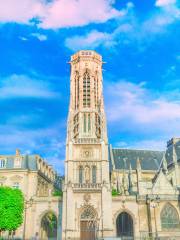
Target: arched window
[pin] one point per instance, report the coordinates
(85, 122)
(86, 89)
(124, 226)
(169, 217)
(80, 174)
(96, 89)
(94, 174)
(89, 122)
(76, 89)
(88, 213)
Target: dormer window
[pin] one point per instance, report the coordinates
(2, 163)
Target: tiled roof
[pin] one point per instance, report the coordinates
(122, 158)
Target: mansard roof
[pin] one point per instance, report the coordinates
(122, 158)
(28, 161)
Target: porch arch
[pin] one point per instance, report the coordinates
(125, 225)
(48, 226)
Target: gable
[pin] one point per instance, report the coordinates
(162, 185)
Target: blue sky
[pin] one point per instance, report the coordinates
(139, 41)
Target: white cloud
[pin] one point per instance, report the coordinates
(129, 29)
(90, 41)
(23, 86)
(161, 3)
(40, 37)
(95, 38)
(133, 105)
(58, 13)
(20, 11)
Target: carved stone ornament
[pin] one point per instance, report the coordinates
(87, 197)
(86, 153)
(16, 178)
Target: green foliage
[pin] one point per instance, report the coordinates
(11, 208)
(115, 192)
(51, 221)
(57, 193)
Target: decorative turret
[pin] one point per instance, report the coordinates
(174, 155)
(164, 164)
(130, 179)
(138, 164)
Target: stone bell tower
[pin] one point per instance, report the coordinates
(87, 194)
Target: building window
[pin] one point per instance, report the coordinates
(16, 185)
(84, 122)
(86, 89)
(89, 122)
(76, 125)
(94, 174)
(96, 90)
(80, 174)
(2, 163)
(76, 88)
(98, 125)
(169, 217)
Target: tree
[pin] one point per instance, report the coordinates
(11, 209)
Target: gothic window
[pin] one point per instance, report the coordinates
(94, 174)
(76, 125)
(96, 90)
(86, 90)
(80, 174)
(2, 163)
(98, 125)
(76, 91)
(88, 213)
(89, 122)
(169, 217)
(84, 122)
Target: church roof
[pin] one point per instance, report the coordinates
(122, 158)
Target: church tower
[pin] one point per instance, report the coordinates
(87, 193)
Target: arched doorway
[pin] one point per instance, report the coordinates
(124, 226)
(48, 227)
(88, 223)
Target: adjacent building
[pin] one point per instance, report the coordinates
(40, 185)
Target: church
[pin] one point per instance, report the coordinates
(108, 193)
(111, 192)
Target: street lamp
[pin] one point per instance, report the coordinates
(27, 204)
